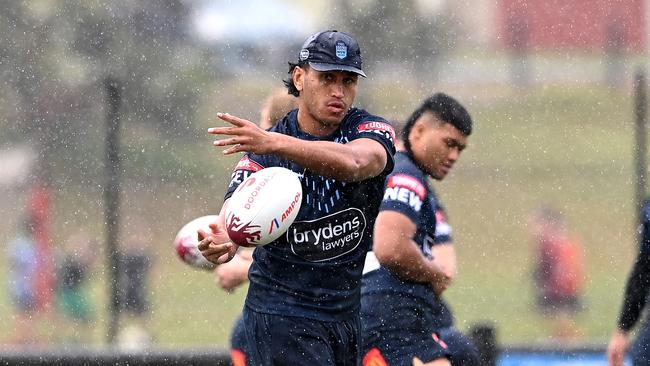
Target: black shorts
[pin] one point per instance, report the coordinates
(399, 329)
(238, 350)
(287, 340)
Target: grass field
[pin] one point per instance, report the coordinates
(570, 146)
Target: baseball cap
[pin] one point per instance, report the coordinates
(332, 50)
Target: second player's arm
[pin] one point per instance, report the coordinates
(395, 249)
(444, 256)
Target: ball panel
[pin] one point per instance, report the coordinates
(186, 242)
(263, 207)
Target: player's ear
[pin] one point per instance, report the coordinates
(298, 77)
(417, 130)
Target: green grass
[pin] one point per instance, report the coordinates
(566, 145)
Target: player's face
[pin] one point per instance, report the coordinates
(436, 145)
(326, 95)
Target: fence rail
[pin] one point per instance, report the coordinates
(80, 355)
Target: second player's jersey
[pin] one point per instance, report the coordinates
(314, 270)
(407, 191)
(637, 289)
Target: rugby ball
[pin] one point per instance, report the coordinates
(187, 241)
(263, 206)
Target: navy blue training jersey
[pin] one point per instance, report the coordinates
(408, 192)
(314, 270)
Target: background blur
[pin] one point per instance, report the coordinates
(548, 83)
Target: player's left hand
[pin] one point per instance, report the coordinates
(216, 246)
(246, 136)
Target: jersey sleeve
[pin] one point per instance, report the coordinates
(443, 229)
(404, 193)
(638, 281)
(248, 165)
(378, 129)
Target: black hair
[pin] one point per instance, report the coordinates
(446, 108)
(291, 87)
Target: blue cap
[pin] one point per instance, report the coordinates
(332, 51)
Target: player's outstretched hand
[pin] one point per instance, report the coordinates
(231, 275)
(242, 136)
(617, 348)
(216, 246)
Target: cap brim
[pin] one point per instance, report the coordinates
(319, 66)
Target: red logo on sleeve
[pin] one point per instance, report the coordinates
(381, 128)
(248, 164)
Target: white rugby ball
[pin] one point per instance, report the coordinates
(263, 206)
(187, 241)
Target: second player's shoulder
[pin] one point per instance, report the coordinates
(405, 166)
(406, 176)
(645, 210)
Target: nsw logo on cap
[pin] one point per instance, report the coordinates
(341, 50)
(304, 54)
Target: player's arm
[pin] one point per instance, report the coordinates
(357, 160)
(444, 256)
(216, 245)
(395, 249)
(635, 293)
(231, 275)
(634, 301)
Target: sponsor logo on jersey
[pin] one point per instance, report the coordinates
(328, 237)
(406, 189)
(341, 50)
(442, 226)
(243, 170)
(382, 128)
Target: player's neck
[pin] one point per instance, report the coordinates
(307, 123)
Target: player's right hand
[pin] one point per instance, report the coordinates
(216, 246)
(242, 136)
(617, 348)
